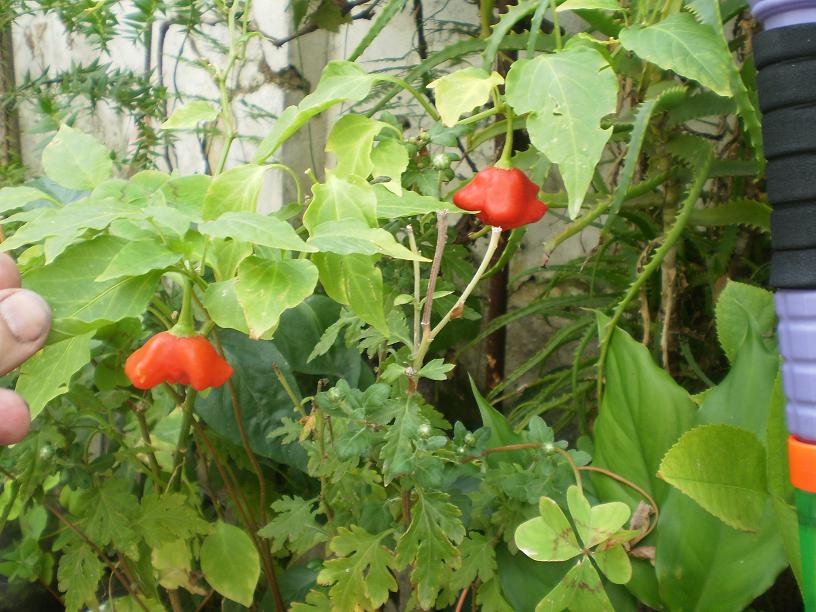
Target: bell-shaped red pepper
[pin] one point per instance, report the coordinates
(183, 360)
(504, 198)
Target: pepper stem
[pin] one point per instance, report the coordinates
(507, 150)
(185, 326)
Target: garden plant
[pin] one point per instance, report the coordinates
(280, 410)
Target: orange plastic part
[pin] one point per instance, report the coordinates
(802, 460)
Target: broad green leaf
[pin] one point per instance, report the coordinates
(168, 517)
(230, 563)
(354, 236)
(173, 564)
(295, 523)
(597, 523)
(76, 160)
(614, 564)
(187, 193)
(48, 373)
(642, 414)
(577, 5)
(701, 464)
(362, 571)
(190, 115)
(738, 307)
(548, 537)
(691, 49)
(257, 229)
(174, 221)
(460, 92)
(70, 287)
(397, 453)
(351, 140)
(235, 190)
(430, 543)
(524, 581)
(266, 288)
(138, 258)
(69, 221)
(566, 95)
(339, 81)
(225, 255)
(12, 198)
(80, 571)
(341, 199)
(390, 159)
(580, 589)
(364, 287)
(221, 302)
(393, 206)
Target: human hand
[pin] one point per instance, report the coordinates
(25, 320)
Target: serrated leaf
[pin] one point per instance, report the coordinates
(166, 518)
(460, 92)
(296, 523)
(235, 190)
(351, 140)
(49, 372)
(577, 5)
(511, 16)
(80, 571)
(76, 160)
(190, 115)
(258, 229)
(266, 288)
(436, 369)
(478, 562)
(749, 213)
(685, 46)
(349, 236)
(566, 95)
(398, 451)
(362, 573)
(109, 511)
(701, 464)
(383, 18)
(738, 307)
(430, 543)
(138, 258)
(548, 537)
(237, 578)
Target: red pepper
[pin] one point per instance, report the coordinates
(504, 198)
(185, 360)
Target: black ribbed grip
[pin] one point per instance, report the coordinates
(792, 83)
(783, 44)
(788, 131)
(786, 84)
(794, 226)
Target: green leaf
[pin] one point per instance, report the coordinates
(566, 95)
(12, 198)
(685, 46)
(364, 287)
(390, 159)
(221, 302)
(750, 213)
(266, 288)
(430, 543)
(409, 204)
(514, 13)
(339, 81)
(138, 258)
(478, 561)
(48, 373)
(76, 160)
(383, 18)
(295, 522)
(701, 464)
(70, 287)
(436, 369)
(577, 5)
(235, 190)
(460, 92)
(738, 308)
(354, 236)
(225, 255)
(341, 199)
(257, 229)
(548, 537)
(595, 524)
(167, 518)
(351, 140)
(634, 430)
(109, 511)
(361, 575)
(500, 432)
(80, 571)
(190, 115)
(397, 453)
(230, 563)
(614, 564)
(580, 589)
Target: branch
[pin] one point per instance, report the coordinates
(345, 9)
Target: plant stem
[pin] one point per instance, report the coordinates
(411, 90)
(485, 17)
(441, 240)
(288, 388)
(629, 483)
(183, 439)
(486, 114)
(556, 27)
(185, 326)
(151, 454)
(507, 148)
(417, 287)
